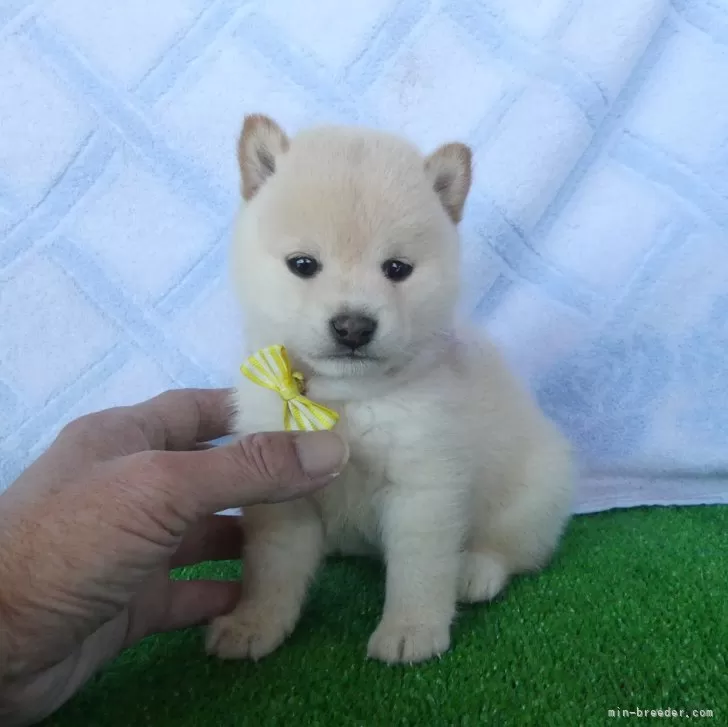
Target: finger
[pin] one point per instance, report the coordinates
(256, 469)
(180, 604)
(179, 420)
(214, 537)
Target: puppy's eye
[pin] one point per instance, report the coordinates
(396, 270)
(303, 266)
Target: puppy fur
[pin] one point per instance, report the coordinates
(455, 477)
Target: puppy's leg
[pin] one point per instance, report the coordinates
(283, 548)
(422, 535)
(520, 535)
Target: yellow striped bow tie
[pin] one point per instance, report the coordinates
(270, 367)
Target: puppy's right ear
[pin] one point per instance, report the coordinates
(260, 145)
(450, 170)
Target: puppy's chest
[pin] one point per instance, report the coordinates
(351, 506)
(370, 430)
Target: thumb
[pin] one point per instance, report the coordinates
(260, 468)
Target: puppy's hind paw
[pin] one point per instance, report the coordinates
(482, 577)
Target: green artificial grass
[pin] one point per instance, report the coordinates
(633, 614)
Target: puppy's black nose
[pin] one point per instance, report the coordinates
(353, 330)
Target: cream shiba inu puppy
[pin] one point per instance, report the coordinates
(347, 253)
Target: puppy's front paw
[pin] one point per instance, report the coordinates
(405, 642)
(246, 633)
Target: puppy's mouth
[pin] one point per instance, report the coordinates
(346, 361)
(356, 355)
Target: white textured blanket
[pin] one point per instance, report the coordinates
(596, 236)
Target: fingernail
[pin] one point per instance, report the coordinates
(321, 454)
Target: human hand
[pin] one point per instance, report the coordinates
(90, 531)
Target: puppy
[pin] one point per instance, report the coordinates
(347, 253)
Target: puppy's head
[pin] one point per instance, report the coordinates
(346, 250)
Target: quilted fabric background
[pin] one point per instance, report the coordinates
(595, 239)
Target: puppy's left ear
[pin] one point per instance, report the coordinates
(260, 145)
(450, 170)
